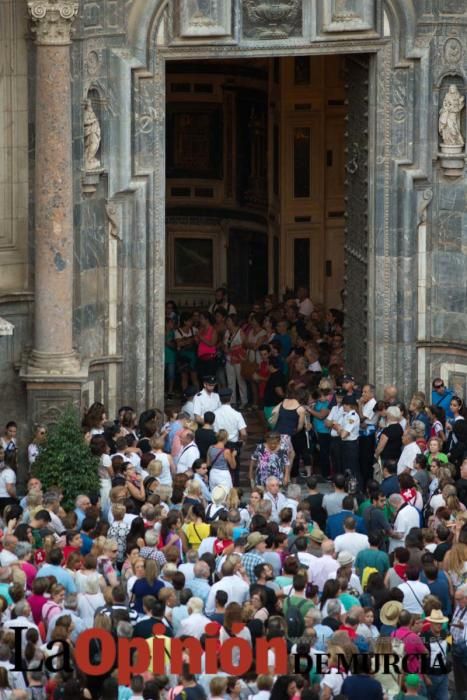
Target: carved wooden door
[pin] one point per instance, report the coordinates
(356, 235)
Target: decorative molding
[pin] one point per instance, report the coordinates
(272, 19)
(340, 16)
(6, 328)
(205, 18)
(52, 20)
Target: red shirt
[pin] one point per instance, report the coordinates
(350, 631)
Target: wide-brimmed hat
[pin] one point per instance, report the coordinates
(253, 540)
(437, 616)
(390, 612)
(345, 558)
(218, 494)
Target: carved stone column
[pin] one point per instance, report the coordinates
(53, 365)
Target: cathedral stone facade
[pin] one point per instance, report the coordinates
(83, 178)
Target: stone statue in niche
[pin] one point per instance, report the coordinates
(92, 137)
(450, 118)
(202, 12)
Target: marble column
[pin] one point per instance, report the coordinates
(53, 372)
(53, 194)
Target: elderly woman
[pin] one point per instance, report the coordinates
(270, 458)
(435, 446)
(390, 441)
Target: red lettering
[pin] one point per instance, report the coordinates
(130, 663)
(108, 652)
(279, 646)
(245, 656)
(179, 657)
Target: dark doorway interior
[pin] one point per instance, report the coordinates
(248, 265)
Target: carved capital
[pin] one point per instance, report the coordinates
(52, 20)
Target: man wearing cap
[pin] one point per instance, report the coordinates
(227, 418)
(438, 648)
(189, 396)
(206, 399)
(346, 561)
(254, 550)
(334, 421)
(349, 433)
(348, 384)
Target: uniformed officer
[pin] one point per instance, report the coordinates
(227, 418)
(206, 400)
(189, 396)
(349, 433)
(334, 421)
(348, 384)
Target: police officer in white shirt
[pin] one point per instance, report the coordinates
(349, 434)
(206, 400)
(227, 418)
(334, 421)
(189, 396)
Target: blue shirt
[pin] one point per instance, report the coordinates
(80, 514)
(87, 544)
(200, 588)
(335, 524)
(62, 575)
(444, 402)
(390, 485)
(318, 424)
(286, 343)
(440, 588)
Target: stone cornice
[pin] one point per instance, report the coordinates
(52, 20)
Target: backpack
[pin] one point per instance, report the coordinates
(211, 517)
(294, 619)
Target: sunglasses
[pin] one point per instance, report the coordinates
(438, 386)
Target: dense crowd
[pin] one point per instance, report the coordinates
(370, 564)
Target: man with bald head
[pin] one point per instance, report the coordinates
(324, 565)
(390, 394)
(407, 517)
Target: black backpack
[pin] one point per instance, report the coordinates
(294, 619)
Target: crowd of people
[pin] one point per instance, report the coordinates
(351, 538)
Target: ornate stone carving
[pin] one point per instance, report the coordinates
(205, 18)
(92, 138)
(450, 118)
(272, 19)
(52, 20)
(111, 213)
(449, 126)
(347, 15)
(453, 50)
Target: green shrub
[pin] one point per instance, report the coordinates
(66, 460)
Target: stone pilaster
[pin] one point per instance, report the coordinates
(53, 360)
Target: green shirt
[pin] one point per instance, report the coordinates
(303, 604)
(441, 458)
(387, 510)
(348, 601)
(374, 558)
(170, 352)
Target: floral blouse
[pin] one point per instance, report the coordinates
(269, 463)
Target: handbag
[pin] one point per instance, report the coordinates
(248, 369)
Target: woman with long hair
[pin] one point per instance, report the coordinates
(147, 585)
(207, 346)
(455, 564)
(221, 459)
(94, 418)
(232, 616)
(196, 530)
(37, 443)
(172, 535)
